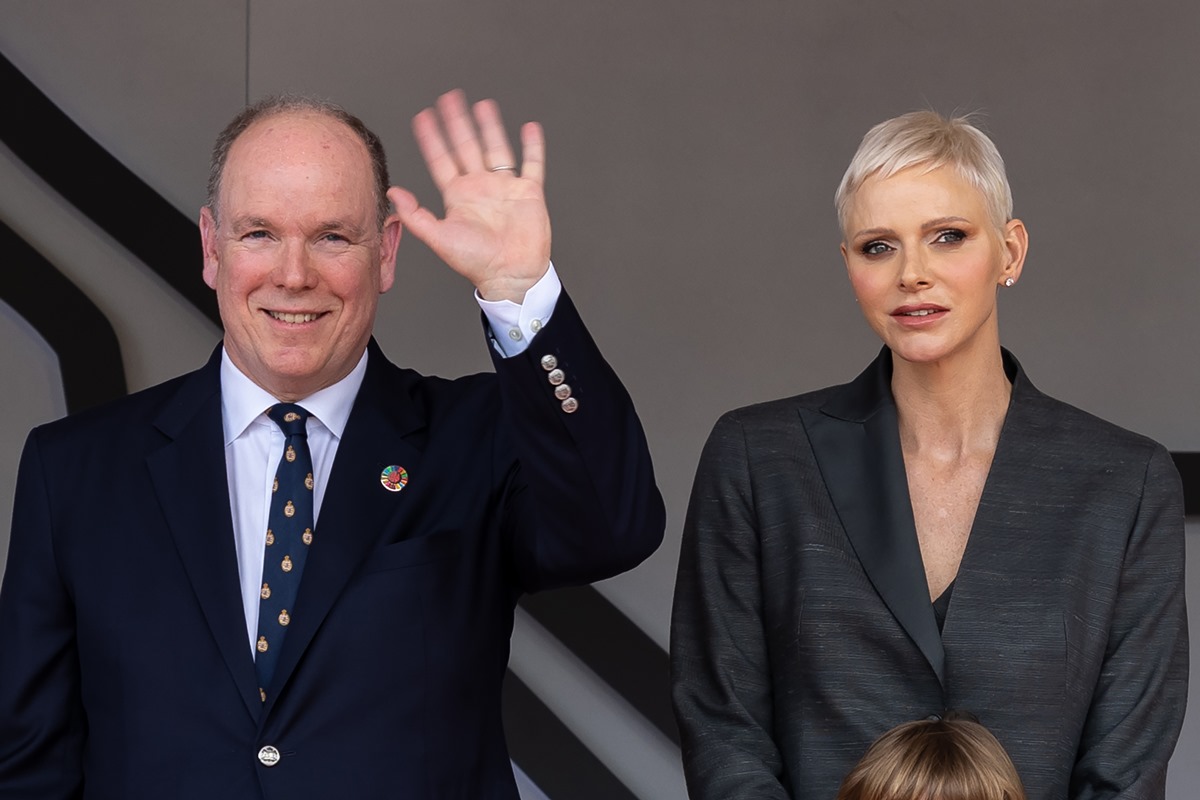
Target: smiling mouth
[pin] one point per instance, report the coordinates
(924, 312)
(292, 319)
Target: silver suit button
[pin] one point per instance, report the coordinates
(549, 362)
(563, 391)
(556, 377)
(268, 756)
(570, 405)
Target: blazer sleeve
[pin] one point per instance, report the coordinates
(41, 715)
(720, 671)
(582, 503)
(1138, 706)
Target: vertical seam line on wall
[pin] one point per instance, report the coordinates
(247, 52)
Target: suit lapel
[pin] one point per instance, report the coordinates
(356, 509)
(189, 477)
(994, 541)
(856, 441)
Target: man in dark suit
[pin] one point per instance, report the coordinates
(134, 660)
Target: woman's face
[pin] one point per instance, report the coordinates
(925, 260)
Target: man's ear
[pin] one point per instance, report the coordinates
(208, 243)
(387, 252)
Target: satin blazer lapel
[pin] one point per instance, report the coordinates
(356, 510)
(856, 441)
(1010, 488)
(189, 476)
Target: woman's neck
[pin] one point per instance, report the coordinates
(953, 408)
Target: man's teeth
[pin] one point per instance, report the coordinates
(292, 318)
(922, 312)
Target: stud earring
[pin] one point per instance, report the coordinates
(1009, 281)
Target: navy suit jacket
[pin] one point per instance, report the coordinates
(125, 670)
(803, 629)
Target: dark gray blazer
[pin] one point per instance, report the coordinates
(803, 630)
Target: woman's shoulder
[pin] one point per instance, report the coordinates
(1063, 442)
(1057, 422)
(781, 407)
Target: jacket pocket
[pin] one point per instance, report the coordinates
(436, 546)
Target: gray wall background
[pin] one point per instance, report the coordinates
(693, 153)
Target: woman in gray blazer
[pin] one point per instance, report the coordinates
(935, 534)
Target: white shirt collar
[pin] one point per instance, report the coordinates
(243, 401)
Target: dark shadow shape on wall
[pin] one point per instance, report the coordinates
(552, 756)
(89, 355)
(101, 187)
(612, 646)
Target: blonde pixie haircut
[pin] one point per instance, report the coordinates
(954, 758)
(929, 140)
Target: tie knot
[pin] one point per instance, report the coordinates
(290, 418)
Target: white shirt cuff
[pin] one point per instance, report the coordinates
(515, 324)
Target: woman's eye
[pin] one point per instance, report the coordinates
(876, 248)
(950, 236)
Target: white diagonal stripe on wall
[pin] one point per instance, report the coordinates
(526, 787)
(636, 752)
(161, 333)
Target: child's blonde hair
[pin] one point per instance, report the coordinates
(948, 758)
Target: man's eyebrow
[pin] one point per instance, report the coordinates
(242, 223)
(342, 226)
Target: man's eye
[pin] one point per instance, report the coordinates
(336, 238)
(255, 235)
(950, 236)
(875, 248)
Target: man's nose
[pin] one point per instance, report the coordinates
(295, 269)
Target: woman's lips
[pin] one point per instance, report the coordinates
(919, 316)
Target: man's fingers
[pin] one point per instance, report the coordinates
(455, 140)
(420, 222)
(404, 201)
(496, 150)
(460, 130)
(442, 165)
(533, 148)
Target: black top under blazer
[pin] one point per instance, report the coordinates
(803, 629)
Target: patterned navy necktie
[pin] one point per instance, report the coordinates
(289, 533)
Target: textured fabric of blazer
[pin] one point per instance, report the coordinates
(802, 625)
(125, 671)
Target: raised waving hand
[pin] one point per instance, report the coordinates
(496, 232)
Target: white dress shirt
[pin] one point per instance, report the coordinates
(254, 444)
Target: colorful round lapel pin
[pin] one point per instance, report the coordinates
(394, 478)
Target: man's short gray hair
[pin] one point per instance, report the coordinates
(279, 104)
